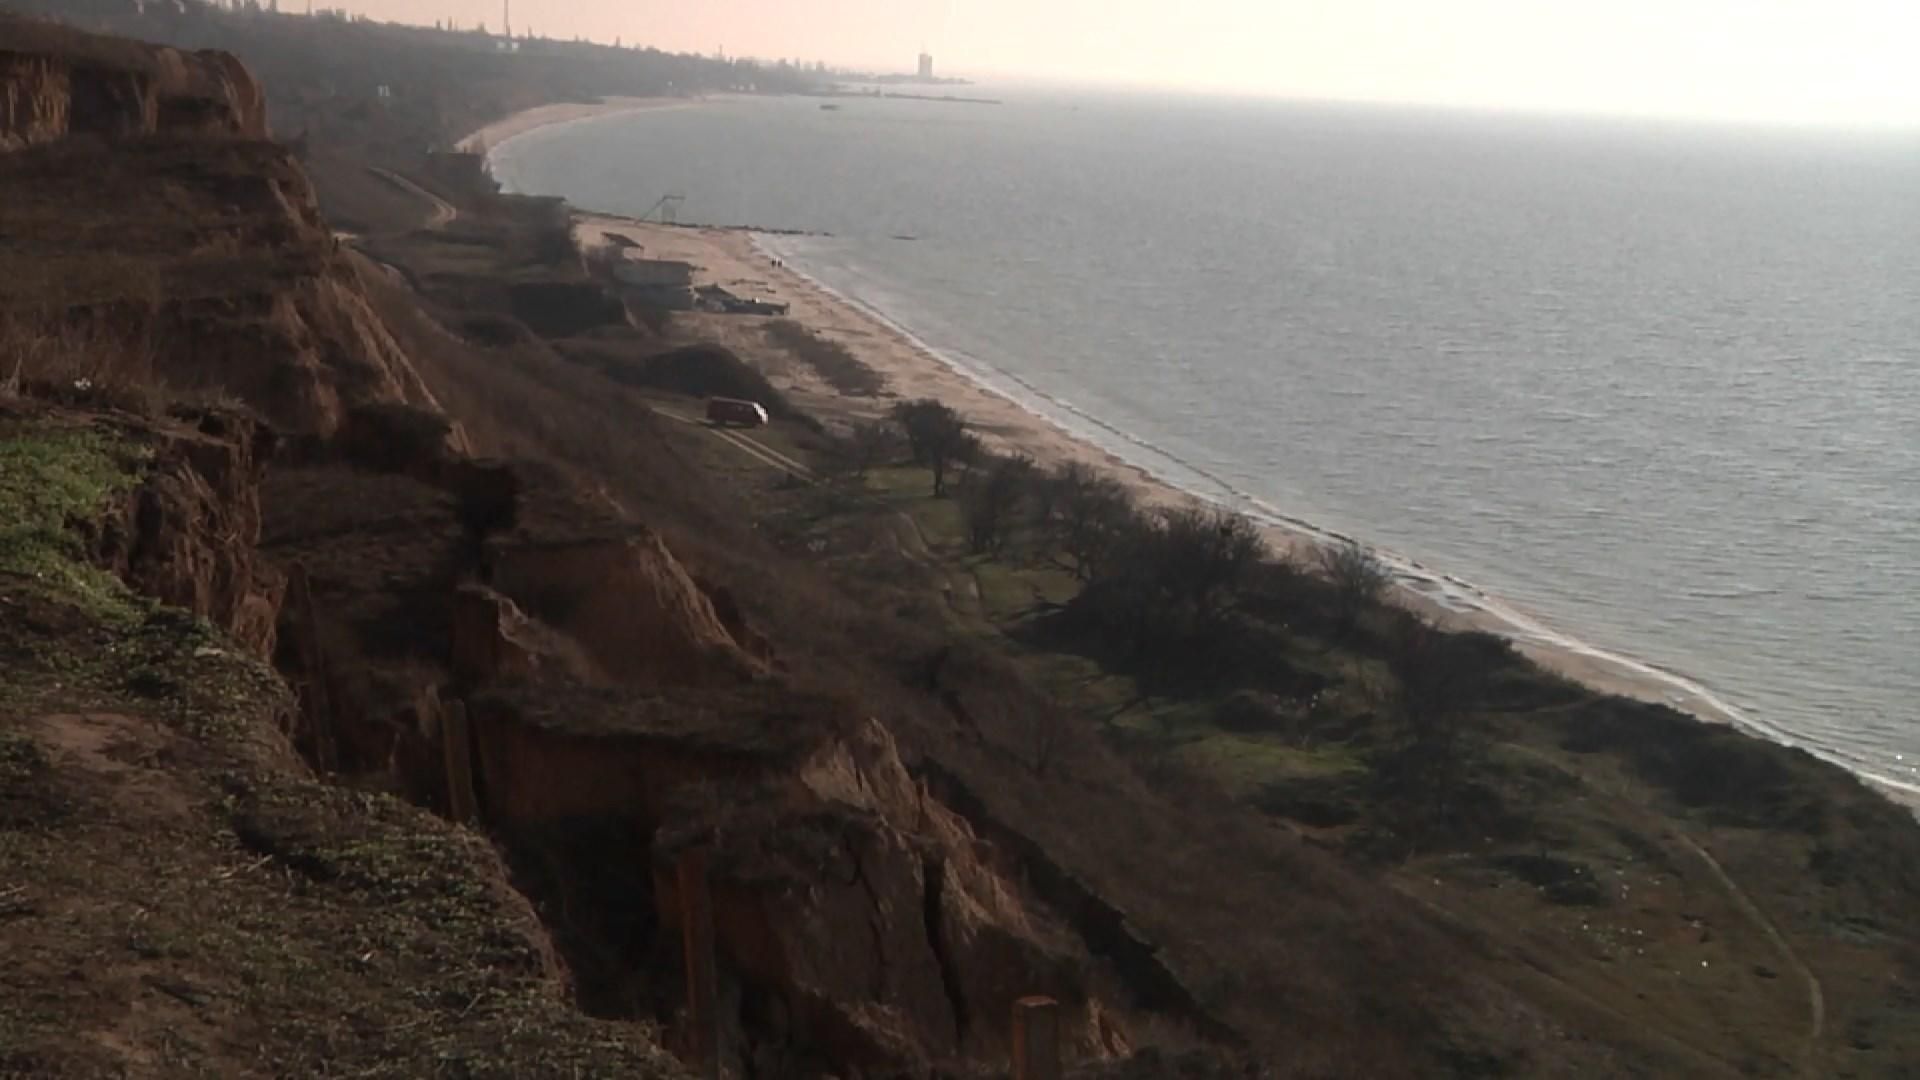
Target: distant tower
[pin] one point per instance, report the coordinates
(926, 65)
(506, 19)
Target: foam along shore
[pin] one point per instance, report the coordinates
(489, 138)
(757, 265)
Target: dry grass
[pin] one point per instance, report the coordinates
(81, 363)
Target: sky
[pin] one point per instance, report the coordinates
(1794, 61)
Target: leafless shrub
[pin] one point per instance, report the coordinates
(1358, 577)
(857, 453)
(992, 501)
(938, 436)
(1090, 517)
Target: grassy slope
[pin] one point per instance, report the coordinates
(1682, 886)
(181, 897)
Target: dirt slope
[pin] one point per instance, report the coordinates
(173, 256)
(182, 896)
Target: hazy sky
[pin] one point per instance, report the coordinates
(1793, 60)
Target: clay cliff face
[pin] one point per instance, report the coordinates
(53, 86)
(187, 535)
(631, 607)
(863, 919)
(149, 223)
(182, 530)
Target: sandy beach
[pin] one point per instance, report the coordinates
(490, 137)
(733, 258)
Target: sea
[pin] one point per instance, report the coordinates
(1648, 389)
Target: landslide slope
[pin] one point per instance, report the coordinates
(157, 244)
(181, 895)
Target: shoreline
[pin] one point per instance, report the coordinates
(759, 262)
(916, 368)
(493, 136)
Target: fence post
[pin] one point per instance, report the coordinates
(456, 746)
(696, 922)
(1036, 1039)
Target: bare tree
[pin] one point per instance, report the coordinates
(868, 445)
(1204, 557)
(1090, 516)
(1358, 577)
(991, 502)
(1438, 678)
(1162, 592)
(938, 437)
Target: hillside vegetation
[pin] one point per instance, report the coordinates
(291, 526)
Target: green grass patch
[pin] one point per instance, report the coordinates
(51, 479)
(1245, 764)
(1083, 682)
(940, 523)
(1006, 595)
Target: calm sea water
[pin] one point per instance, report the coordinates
(1659, 386)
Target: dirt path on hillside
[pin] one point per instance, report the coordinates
(753, 447)
(442, 212)
(1816, 994)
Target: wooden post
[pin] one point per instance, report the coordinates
(703, 991)
(1036, 1039)
(318, 701)
(456, 746)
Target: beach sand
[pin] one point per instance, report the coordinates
(732, 258)
(490, 137)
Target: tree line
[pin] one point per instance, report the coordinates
(1191, 598)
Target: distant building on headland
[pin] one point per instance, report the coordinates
(926, 66)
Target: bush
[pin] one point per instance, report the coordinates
(1560, 881)
(1249, 712)
(1318, 803)
(1203, 558)
(938, 437)
(992, 500)
(1738, 778)
(1358, 576)
(557, 309)
(1089, 517)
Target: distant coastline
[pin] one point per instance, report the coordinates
(494, 135)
